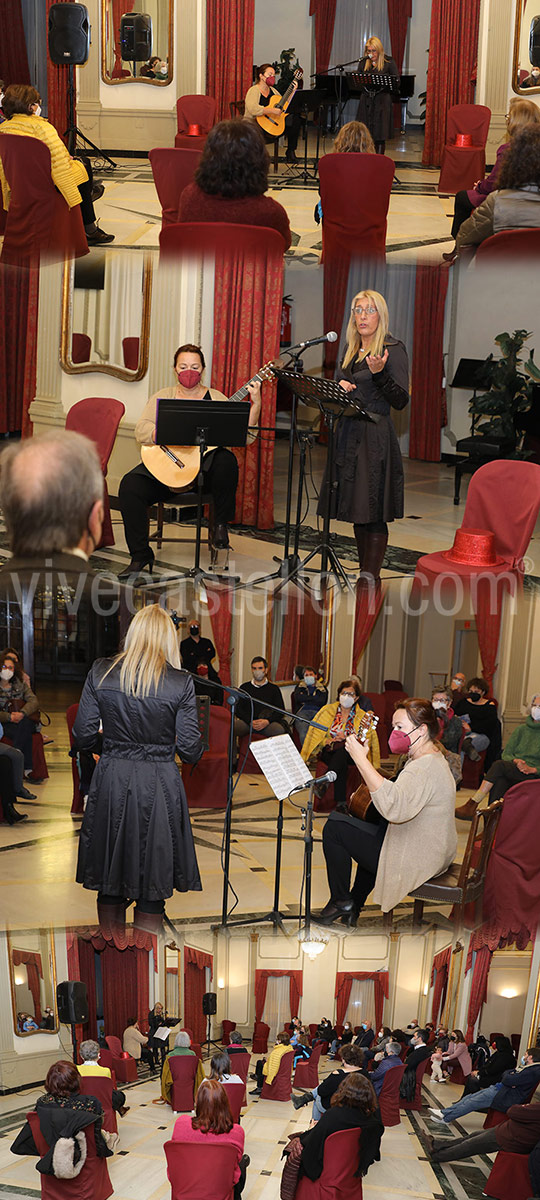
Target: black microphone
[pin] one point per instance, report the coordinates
(327, 337)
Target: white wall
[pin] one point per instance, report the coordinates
(279, 25)
(509, 972)
(416, 59)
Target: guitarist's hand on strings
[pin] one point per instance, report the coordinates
(359, 752)
(254, 390)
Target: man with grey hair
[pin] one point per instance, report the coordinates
(519, 762)
(89, 1052)
(390, 1059)
(182, 1047)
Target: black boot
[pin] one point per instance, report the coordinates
(360, 535)
(375, 546)
(11, 815)
(299, 1101)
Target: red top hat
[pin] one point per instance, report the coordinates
(474, 548)
(464, 139)
(194, 131)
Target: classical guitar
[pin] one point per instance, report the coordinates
(360, 800)
(281, 103)
(177, 466)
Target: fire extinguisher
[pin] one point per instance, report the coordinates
(286, 333)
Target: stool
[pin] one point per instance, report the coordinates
(188, 500)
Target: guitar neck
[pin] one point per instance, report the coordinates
(243, 391)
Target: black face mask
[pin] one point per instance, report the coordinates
(194, 630)
(474, 697)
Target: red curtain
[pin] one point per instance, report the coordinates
(427, 399)
(13, 56)
(399, 12)
(368, 606)
(87, 972)
(247, 324)
(19, 292)
(119, 977)
(439, 976)
(482, 963)
(344, 981)
(451, 76)
(261, 983)
(229, 40)
(31, 959)
(57, 87)
(488, 611)
(302, 635)
(324, 12)
(195, 964)
(220, 609)
(124, 969)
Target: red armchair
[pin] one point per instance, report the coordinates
(206, 786)
(240, 1066)
(130, 352)
(260, 1038)
(93, 1183)
(102, 1088)
(183, 1068)
(200, 1172)
(306, 1074)
(355, 195)
(124, 1065)
(463, 165)
(280, 1087)
(173, 169)
(258, 247)
(98, 417)
(81, 348)
(236, 1093)
(416, 1104)
(509, 1178)
(509, 246)
(389, 1099)
(226, 1030)
(39, 765)
(194, 110)
(327, 801)
(38, 221)
(338, 1180)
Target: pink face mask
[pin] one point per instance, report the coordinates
(189, 378)
(400, 742)
(270, 80)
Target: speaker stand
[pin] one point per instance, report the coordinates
(74, 1042)
(209, 1042)
(73, 132)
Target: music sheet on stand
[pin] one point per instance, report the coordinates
(281, 763)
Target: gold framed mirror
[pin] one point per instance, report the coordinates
(106, 303)
(173, 981)
(137, 41)
(525, 74)
(32, 977)
(299, 630)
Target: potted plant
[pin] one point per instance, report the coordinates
(511, 390)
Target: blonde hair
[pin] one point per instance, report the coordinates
(521, 113)
(374, 43)
(354, 138)
(354, 343)
(151, 643)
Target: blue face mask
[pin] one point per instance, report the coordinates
(523, 1060)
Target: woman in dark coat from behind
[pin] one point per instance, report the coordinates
(353, 1106)
(136, 840)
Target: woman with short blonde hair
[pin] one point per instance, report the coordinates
(375, 108)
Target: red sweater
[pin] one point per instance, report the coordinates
(196, 205)
(183, 1132)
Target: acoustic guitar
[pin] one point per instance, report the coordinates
(281, 103)
(360, 800)
(178, 466)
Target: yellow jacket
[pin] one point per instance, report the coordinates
(271, 1066)
(66, 172)
(316, 739)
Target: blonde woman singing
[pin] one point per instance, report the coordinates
(375, 108)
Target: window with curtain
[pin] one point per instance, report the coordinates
(361, 1002)
(173, 997)
(277, 1005)
(353, 25)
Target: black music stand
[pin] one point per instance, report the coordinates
(303, 103)
(201, 423)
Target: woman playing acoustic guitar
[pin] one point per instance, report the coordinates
(257, 104)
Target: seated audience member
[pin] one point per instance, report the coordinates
(21, 107)
(391, 1058)
(197, 654)
(353, 1106)
(418, 1052)
(308, 697)
(302, 1049)
(519, 762)
(342, 1040)
(518, 1135)
(213, 1125)
(326, 1031)
(231, 181)
(266, 1069)
(480, 722)
(89, 1053)
(26, 1022)
(263, 693)
(220, 1068)
(450, 725)
(236, 1044)
(136, 1043)
(416, 838)
(7, 791)
(257, 105)
(17, 706)
(351, 1058)
(353, 138)
(63, 1113)
(366, 1037)
(378, 1046)
(501, 1058)
(515, 1087)
(182, 1043)
(339, 719)
(457, 1053)
(516, 203)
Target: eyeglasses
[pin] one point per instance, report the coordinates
(361, 312)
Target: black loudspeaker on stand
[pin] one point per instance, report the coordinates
(209, 1007)
(72, 1004)
(69, 46)
(136, 38)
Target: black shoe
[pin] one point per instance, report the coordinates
(12, 816)
(99, 237)
(299, 1101)
(220, 538)
(470, 750)
(337, 910)
(31, 778)
(122, 1111)
(290, 156)
(256, 1092)
(97, 191)
(24, 794)
(137, 566)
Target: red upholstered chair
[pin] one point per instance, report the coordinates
(93, 1183)
(77, 801)
(195, 1046)
(415, 1104)
(130, 352)
(194, 110)
(106, 1060)
(39, 765)
(494, 1117)
(313, 1031)
(280, 1087)
(206, 786)
(251, 767)
(512, 885)
(509, 1178)
(306, 1074)
(81, 348)
(457, 1075)
(200, 1172)
(338, 1180)
(389, 1099)
(240, 1066)
(463, 165)
(189, 1032)
(38, 221)
(124, 1065)
(183, 1068)
(257, 243)
(260, 1037)
(102, 1088)
(355, 194)
(226, 1030)
(172, 170)
(473, 772)
(236, 1094)
(508, 246)
(98, 417)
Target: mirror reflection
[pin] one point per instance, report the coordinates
(172, 981)
(137, 42)
(527, 48)
(33, 982)
(106, 315)
(298, 633)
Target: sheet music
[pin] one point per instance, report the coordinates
(163, 1033)
(281, 763)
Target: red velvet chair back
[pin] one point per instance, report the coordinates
(198, 1172)
(93, 1183)
(206, 786)
(130, 352)
(306, 1074)
(313, 1031)
(260, 1037)
(487, 505)
(280, 1088)
(327, 801)
(512, 885)
(235, 1092)
(173, 168)
(102, 1088)
(115, 1045)
(415, 1104)
(189, 1032)
(226, 1026)
(509, 1178)
(508, 246)
(389, 1096)
(259, 245)
(240, 1066)
(77, 801)
(468, 118)
(183, 1069)
(462, 165)
(124, 1067)
(355, 194)
(81, 348)
(38, 221)
(98, 418)
(494, 1117)
(194, 110)
(338, 1180)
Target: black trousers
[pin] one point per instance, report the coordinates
(462, 209)
(534, 1169)
(346, 839)
(20, 733)
(118, 1099)
(503, 775)
(339, 760)
(139, 490)
(87, 205)
(7, 790)
(484, 1142)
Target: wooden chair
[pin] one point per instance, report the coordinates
(185, 500)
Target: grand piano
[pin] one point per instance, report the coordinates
(349, 85)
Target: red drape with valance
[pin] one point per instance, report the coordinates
(427, 399)
(220, 610)
(451, 76)
(19, 294)
(57, 87)
(229, 40)
(324, 12)
(369, 601)
(31, 959)
(301, 635)
(195, 964)
(124, 970)
(13, 57)
(261, 984)
(344, 982)
(481, 955)
(439, 981)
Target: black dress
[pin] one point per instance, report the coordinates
(367, 460)
(375, 108)
(136, 838)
